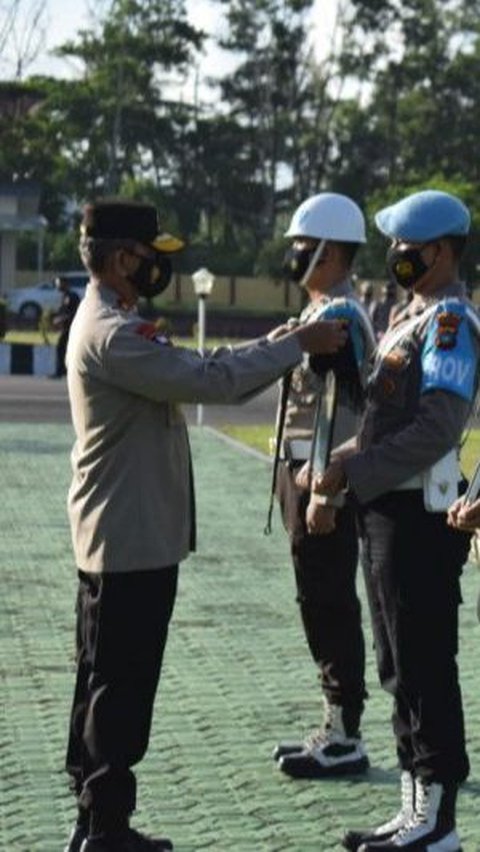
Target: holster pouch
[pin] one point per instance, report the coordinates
(440, 483)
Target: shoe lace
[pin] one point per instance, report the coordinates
(420, 815)
(331, 726)
(405, 813)
(315, 737)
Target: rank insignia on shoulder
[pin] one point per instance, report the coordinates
(448, 325)
(149, 331)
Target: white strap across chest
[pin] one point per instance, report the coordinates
(390, 341)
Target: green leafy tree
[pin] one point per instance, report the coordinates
(123, 103)
(265, 94)
(420, 65)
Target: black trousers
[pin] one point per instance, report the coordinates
(122, 626)
(325, 573)
(413, 562)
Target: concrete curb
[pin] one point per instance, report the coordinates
(26, 359)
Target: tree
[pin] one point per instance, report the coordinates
(124, 61)
(265, 94)
(420, 60)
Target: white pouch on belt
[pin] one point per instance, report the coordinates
(440, 483)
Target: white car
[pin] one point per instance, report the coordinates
(28, 303)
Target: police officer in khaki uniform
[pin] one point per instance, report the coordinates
(131, 499)
(403, 474)
(325, 233)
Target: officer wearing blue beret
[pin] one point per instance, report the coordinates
(404, 474)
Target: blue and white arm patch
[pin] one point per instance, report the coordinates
(345, 310)
(449, 359)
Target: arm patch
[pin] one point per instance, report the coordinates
(448, 356)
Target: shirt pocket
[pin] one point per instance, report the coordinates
(390, 383)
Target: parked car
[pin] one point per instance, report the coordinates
(28, 303)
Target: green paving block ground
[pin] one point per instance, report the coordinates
(237, 674)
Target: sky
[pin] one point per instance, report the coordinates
(66, 17)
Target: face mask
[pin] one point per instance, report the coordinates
(152, 276)
(406, 266)
(298, 264)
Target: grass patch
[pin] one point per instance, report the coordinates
(258, 438)
(470, 454)
(35, 338)
(254, 436)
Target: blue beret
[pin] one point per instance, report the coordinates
(424, 216)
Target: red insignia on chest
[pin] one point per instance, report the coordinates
(447, 330)
(152, 332)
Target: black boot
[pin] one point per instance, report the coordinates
(78, 834)
(432, 827)
(354, 839)
(128, 840)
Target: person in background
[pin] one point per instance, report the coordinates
(400, 306)
(62, 321)
(131, 500)
(325, 233)
(401, 471)
(366, 296)
(380, 313)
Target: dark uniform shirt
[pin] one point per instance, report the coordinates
(407, 426)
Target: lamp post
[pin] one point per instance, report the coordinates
(202, 284)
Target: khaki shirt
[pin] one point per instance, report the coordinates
(130, 500)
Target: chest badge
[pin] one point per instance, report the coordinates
(388, 385)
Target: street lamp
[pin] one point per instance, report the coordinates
(202, 284)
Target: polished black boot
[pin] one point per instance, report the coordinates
(128, 840)
(78, 834)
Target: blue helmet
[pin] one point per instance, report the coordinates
(424, 216)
